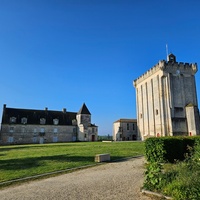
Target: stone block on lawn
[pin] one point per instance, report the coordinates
(102, 157)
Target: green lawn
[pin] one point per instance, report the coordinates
(21, 161)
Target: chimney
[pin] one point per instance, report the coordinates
(64, 110)
(45, 108)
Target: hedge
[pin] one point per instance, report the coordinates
(169, 149)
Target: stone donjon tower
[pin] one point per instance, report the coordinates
(167, 100)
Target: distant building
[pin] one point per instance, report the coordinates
(22, 126)
(125, 129)
(167, 100)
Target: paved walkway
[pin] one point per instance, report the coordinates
(116, 181)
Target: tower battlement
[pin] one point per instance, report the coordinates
(169, 67)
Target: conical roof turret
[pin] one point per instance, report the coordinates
(84, 110)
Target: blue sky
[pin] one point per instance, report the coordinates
(62, 53)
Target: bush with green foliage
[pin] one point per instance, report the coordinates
(181, 178)
(154, 151)
(168, 149)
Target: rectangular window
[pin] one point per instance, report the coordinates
(34, 131)
(55, 130)
(156, 111)
(133, 127)
(34, 139)
(10, 139)
(92, 130)
(127, 126)
(55, 139)
(41, 130)
(11, 129)
(178, 109)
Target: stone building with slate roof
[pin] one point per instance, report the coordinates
(23, 126)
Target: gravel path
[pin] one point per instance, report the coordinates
(118, 180)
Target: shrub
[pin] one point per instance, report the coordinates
(154, 150)
(186, 183)
(153, 176)
(181, 180)
(168, 149)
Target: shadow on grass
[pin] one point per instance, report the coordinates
(35, 146)
(28, 163)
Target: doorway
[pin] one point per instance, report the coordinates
(93, 138)
(41, 140)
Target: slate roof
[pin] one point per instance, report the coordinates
(126, 120)
(34, 116)
(84, 110)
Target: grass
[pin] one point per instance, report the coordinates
(20, 161)
(182, 180)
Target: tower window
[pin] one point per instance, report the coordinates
(178, 109)
(156, 111)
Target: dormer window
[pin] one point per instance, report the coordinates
(13, 120)
(55, 121)
(74, 122)
(24, 120)
(42, 121)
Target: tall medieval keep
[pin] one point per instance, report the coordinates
(21, 126)
(167, 100)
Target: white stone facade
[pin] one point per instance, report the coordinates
(125, 130)
(167, 100)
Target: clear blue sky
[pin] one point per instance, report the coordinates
(62, 53)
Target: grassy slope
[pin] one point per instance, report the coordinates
(27, 160)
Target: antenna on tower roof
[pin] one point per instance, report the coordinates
(167, 51)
